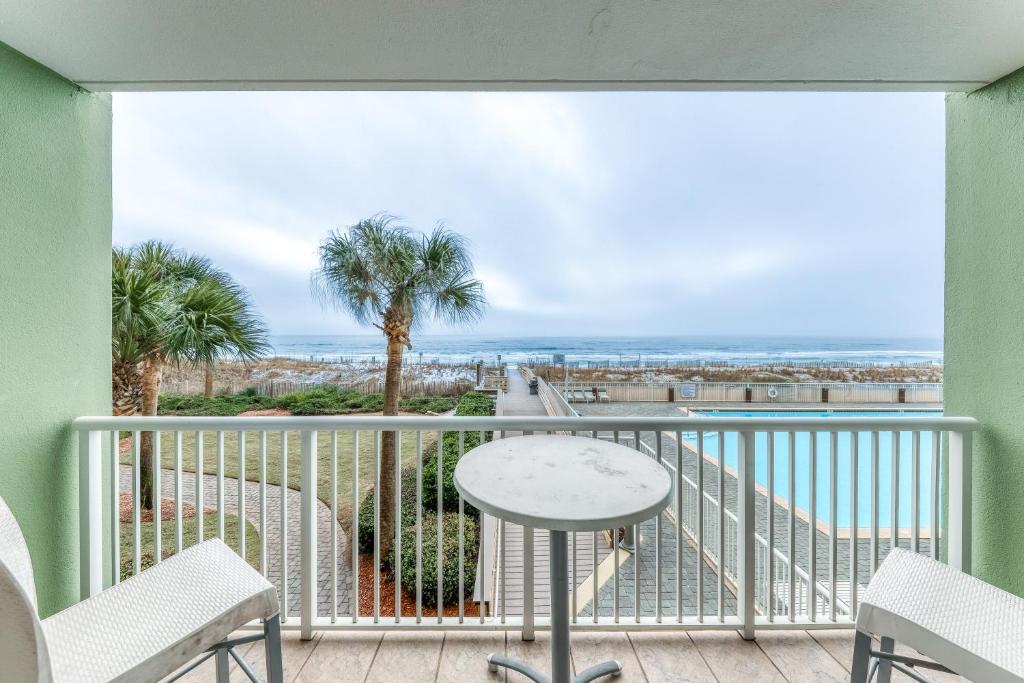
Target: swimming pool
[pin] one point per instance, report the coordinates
(802, 456)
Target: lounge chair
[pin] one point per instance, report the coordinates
(602, 395)
(143, 629)
(579, 395)
(965, 625)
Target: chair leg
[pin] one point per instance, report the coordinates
(861, 658)
(223, 660)
(885, 665)
(272, 643)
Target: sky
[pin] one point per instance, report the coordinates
(754, 214)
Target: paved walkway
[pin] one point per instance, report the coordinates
(273, 533)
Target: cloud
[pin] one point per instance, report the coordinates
(611, 213)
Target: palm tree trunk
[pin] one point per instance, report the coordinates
(152, 371)
(127, 388)
(208, 380)
(388, 464)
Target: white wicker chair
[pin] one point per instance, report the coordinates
(967, 626)
(145, 628)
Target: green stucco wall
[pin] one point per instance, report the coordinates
(55, 237)
(985, 312)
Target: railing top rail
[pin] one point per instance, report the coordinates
(582, 424)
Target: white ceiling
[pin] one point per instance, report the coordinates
(521, 44)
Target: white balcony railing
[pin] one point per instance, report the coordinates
(784, 534)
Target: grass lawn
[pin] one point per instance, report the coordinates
(168, 531)
(367, 459)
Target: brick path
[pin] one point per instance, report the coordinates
(273, 533)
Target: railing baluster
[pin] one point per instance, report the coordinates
(158, 539)
(812, 531)
(220, 485)
(791, 527)
(334, 526)
(960, 500)
(874, 502)
(136, 503)
(700, 527)
(284, 526)
(746, 461)
(462, 541)
(115, 506)
(263, 502)
(502, 529)
(376, 525)
(770, 558)
(593, 586)
(354, 538)
(178, 531)
(915, 492)
(241, 494)
(679, 527)
(573, 578)
(936, 445)
(309, 524)
(397, 566)
(419, 526)
(440, 527)
(200, 492)
(658, 575)
(833, 513)
(721, 527)
(854, 525)
(636, 551)
(90, 520)
(894, 499)
(482, 572)
(616, 548)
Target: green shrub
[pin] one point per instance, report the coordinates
(224, 406)
(450, 552)
(471, 404)
(366, 516)
(425, 404)
(329, 400)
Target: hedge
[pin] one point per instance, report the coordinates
(366, 516)
(450, 551)
(471, 404)
(324, 400)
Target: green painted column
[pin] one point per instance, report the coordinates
(55, 237)
(985, 312)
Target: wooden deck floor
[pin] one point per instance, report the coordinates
(393, 657)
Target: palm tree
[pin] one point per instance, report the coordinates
(171, 307)
(386, 276)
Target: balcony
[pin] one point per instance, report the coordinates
(715, 561)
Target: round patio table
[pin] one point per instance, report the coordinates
(563, 484)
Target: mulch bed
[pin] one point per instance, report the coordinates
(166, 510)
(387, 594)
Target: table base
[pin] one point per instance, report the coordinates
(609, 668)
(561, 664)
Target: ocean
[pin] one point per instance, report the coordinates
(650, 351)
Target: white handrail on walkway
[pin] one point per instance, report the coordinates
(327, 464)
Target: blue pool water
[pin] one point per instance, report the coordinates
(802, 456)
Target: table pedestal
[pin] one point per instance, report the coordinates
(561, 665)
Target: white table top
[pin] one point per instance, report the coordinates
(564, 483)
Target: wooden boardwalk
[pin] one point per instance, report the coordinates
(510, 587)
